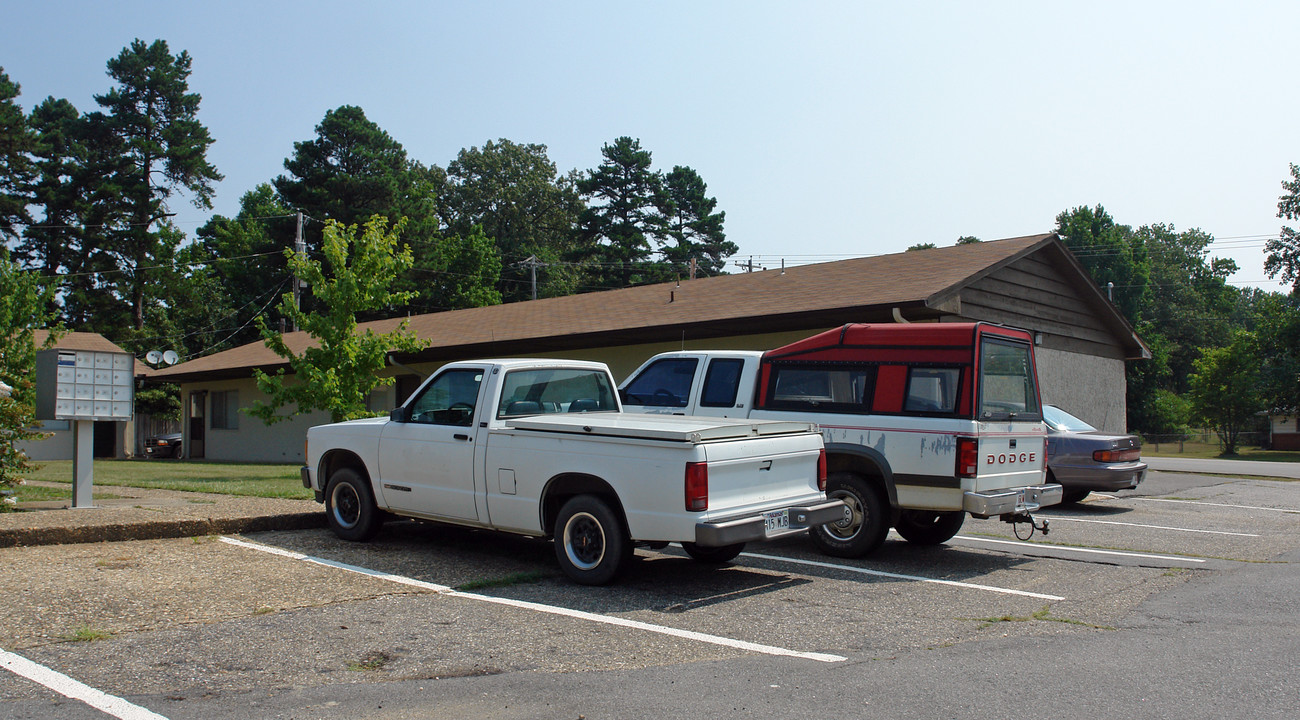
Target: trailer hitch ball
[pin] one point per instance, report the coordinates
(1039, 524)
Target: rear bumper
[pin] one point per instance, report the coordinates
(1125, 476)
(1011, 501)
(753, 527)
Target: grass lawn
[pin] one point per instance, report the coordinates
(270, 481)
(1212, 450)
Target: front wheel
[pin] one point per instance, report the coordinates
(350, 506)
(713, 555)
(927, 527)
(865, 524)
(590, 542)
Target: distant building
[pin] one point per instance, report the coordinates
(1284, 433)
(1030, 282)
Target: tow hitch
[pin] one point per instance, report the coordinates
(1039, 524)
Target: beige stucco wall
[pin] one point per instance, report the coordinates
(1089, 387)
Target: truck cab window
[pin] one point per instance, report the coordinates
(721, 382)
(666, 383)
(449, 399)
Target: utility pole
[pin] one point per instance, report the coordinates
(300, 247)
(749, 266)
(531, 263)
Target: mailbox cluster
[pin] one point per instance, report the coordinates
(84, 385)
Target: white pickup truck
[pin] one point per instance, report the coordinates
(923, 423)
(542, 448)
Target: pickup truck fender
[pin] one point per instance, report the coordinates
(335, 459)
(560, 488)
(864, 461)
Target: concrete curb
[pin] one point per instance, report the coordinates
(153, 530)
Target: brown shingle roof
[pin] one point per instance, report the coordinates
(766, 301)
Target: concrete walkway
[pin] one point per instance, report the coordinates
(1290, 471)
(142, 514)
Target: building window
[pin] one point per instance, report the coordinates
(225, 410)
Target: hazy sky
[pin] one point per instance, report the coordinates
(824, 129)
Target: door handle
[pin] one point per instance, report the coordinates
(461, 436)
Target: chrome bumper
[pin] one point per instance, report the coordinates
(753, 527)
(1012, 501)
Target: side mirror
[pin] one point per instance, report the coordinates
(400, 414)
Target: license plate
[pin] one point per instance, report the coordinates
(775, 521)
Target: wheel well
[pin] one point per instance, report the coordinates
(864, 466)
(562, 487)
(337, 459)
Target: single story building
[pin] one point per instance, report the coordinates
(1031, 282)
(1284, 432)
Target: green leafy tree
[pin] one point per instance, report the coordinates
(342, 367)
(1187, 296)
(16, 173)
(1225, 391)
(23, 310)
(691, 228)
(967, 240)
(1111, 254)
(53, 244)
(513, 193)
(623, 196)
(921, 246)
(1283, 252)
(1277, 325)
(157, 148)
(238, 270)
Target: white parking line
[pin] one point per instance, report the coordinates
(550, 609)
(74, 689)
(1042, 546)
(1154, 527)
(917, 578)
(1202, 502)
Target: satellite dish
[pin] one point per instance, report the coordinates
(170, 357)
(153, 357)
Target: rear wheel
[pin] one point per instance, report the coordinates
(590, 542)
(350, 506)
(927, 527)
(713, 555)
(864, 526)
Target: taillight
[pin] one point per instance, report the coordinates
(821, 470)
(697, 486)
(968, 457)
(1117, 456)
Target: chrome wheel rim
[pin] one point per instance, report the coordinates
(584, 541)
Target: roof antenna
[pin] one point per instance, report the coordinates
(782, 266)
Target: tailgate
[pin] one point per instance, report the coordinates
(1011, 455)
(747, 476)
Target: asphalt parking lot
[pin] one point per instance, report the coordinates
(435, 621)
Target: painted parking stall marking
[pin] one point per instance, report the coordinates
(75, 689)
(1092, 551)
(897, 576)
(538, 607)
(1141, 525)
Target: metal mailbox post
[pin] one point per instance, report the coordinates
(83, 386)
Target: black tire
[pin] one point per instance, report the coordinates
(867, 524)
(927, 527)
(350, 506)
(713, 555)
(1069, 497)
(590, 541)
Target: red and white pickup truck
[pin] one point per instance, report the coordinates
(541, 448)
(923, 423)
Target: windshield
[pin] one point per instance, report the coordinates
(1007, 387)
(1062, 421)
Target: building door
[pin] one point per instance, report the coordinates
(198, 414)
